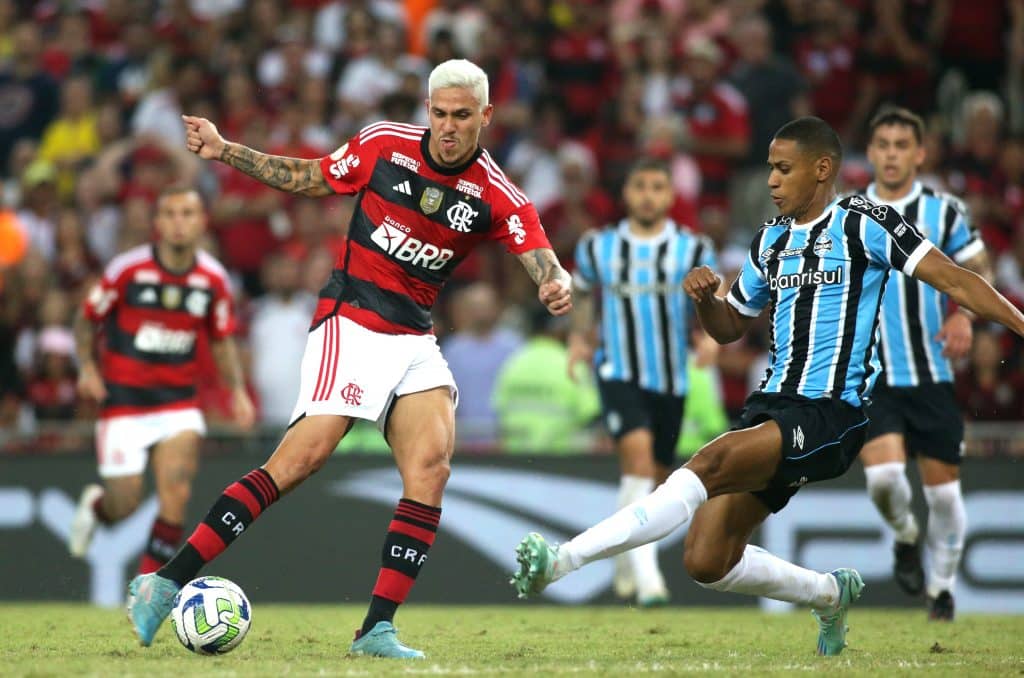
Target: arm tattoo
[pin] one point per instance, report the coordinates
(542, 265)
(293, 175)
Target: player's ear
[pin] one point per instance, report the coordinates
(824, 169)
(487, 113)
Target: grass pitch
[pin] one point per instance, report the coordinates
(512, 640)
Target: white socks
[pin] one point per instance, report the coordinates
(947, 525)
(759, 573)
(889, 489)
(643, 560)
(645, 520)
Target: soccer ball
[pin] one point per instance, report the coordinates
(211, 615)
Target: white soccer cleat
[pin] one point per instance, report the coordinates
(84, 524)
(624, 582)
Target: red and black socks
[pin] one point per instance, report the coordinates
(163, 542)
(410, 535)
(241, 503)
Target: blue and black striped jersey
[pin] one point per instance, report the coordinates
(913, 311)
(644, 311)
(823, 282)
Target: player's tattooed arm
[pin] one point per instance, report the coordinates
(554, 282)
(293, 175)
(543, 266)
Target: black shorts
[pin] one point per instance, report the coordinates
(927, 416)
(627, 407)
(820, 439)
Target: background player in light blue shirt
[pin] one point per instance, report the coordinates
(913, 407)
(632, 273)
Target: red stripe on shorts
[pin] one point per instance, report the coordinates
(323, 365)
(336, 322)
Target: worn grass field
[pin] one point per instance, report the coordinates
(38, 640)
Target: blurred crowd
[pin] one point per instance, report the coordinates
(91, 92)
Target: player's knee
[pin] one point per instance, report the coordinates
(177, 493)
(120, 507)
(705, 565)
(429, 468)
(708, 466)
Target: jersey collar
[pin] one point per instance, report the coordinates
(655, 239)
(441, 169)
(915, 192)
(163, 267)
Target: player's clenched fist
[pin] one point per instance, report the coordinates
(202, 137)
(556, 295)
(701, 283)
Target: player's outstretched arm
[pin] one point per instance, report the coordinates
(968, 289)
(554, 284)
(720, 320)
(294, 175)
(225, 354)
(957, 332)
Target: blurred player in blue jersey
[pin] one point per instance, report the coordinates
(913, 408)
(820, 268)
(636, 269)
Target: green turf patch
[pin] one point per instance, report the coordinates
(517, 640)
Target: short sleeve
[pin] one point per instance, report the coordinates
(221, 321)
(348, 169)
(961, 240)
(519, 230)
(585, 275)
(891, 240)
(749, 293)
(104, 295)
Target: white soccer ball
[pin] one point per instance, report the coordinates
(211, 615)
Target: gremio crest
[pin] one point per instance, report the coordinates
(431, 200)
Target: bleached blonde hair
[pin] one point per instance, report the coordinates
(460, 73)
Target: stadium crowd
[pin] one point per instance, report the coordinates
(91, 94)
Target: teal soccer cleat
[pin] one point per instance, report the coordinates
(150, 599)
(382, 641)
(536, 565)
(832, 625)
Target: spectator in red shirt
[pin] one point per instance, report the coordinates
(973, 166)
(583, 204)
(717, 120)
(827, 57)
(987, 391)
(579, 63)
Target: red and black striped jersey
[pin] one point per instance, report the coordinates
(413, 222)
(151, 319)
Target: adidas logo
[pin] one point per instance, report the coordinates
(403, 188)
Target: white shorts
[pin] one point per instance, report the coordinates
(122, 443)
(352, 371)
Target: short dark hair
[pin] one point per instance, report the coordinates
(179, 189)
(814, 135)
(896, 115)
(649, 163)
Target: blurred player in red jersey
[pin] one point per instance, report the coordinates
(427, 197)
(151, 304)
